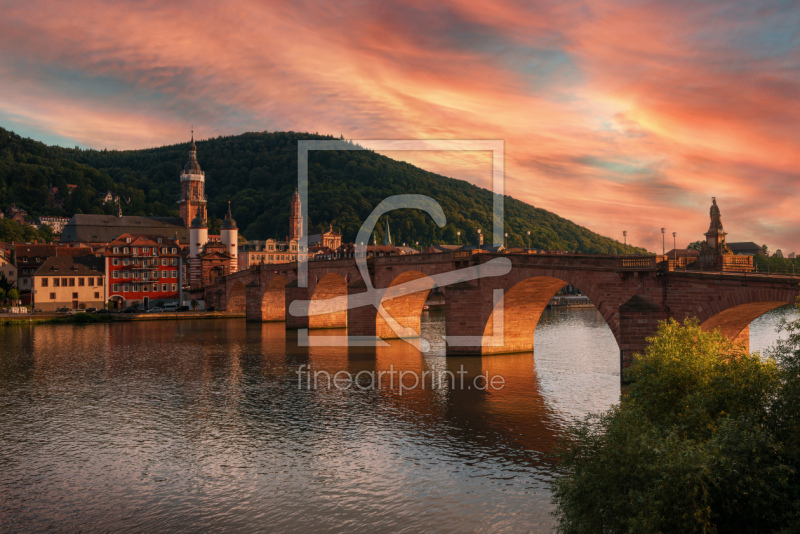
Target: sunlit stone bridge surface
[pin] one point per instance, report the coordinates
(632, 293)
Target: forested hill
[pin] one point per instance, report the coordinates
(257, 172)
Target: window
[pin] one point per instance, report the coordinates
(115, 261)
(126, 262)
(81, 282)
(116, 250)
(159, 240)
(99, 280)
(174, 287)
(174, 261)
(174, 250)
(125, 250)
(74, 295)
(145, 249)
(164, 274)
(45, 282)
(116, 288)
(91, 281)
(96, 294)
(164, 261)
(164, 287)
(52, 296)
(163, 249)
(127, 239)
(56, 282)
(114, 274)
(135, 251)
(136, 275)
(126, 288)
(71, 282)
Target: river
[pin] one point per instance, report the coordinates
(212, 426)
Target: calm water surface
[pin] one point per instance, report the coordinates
(200, 426)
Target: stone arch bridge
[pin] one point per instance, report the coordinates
(632, 293)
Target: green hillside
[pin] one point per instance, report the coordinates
(257, 172)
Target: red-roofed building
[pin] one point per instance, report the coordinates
(144, 269)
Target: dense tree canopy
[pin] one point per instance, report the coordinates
(707, 439)
(257, 172)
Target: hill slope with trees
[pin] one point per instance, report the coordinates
(257, 172)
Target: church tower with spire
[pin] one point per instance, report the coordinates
(295, 219)
(193, 182)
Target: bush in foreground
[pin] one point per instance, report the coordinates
(707, 439)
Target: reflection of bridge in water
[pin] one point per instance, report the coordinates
(632, 293)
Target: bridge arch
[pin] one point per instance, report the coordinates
(237, 298)
(734, 322)
(522, 306)
(273, 301)
(322, 312)
(404, 301)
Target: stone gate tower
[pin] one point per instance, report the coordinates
(193, 184)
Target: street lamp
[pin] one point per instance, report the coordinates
(459, 237)
(625, 236)
(529, 240)
(505, 241)
(663, 247)
(675, 248)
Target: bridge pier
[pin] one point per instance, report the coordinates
(467, 310)
(253, 312)
(361, 321)
(638, 320)
(293, 293)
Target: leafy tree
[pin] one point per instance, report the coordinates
(707, 439)
(695, 245)
(766, 250)
(778, 254)
(5, 285)
(12, 294)
(2, 295)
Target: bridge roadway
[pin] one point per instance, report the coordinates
(632, 293)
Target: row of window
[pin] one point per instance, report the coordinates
(144, 250)
(75, 296)
(135, 274)
(143, 288)
(269, 258)
(164, 261)
(70, 282)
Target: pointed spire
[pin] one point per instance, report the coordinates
(387, 239)
(229, 223)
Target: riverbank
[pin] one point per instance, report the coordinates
(88, 318)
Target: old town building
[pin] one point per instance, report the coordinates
(8, 270)
(268, 251)
(329, 239)
(30, 257)
(143, 269)
(75, 282)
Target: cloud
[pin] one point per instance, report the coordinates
(617, 115)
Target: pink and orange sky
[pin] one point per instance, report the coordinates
(618, 115)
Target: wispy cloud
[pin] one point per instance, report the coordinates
(618, 115)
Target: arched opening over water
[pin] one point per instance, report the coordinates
(237, 298)
(404, 302)
(273, 302)
(734, 322)
(522, 307)
(325, 310)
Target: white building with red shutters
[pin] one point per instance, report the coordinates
(144, 269)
